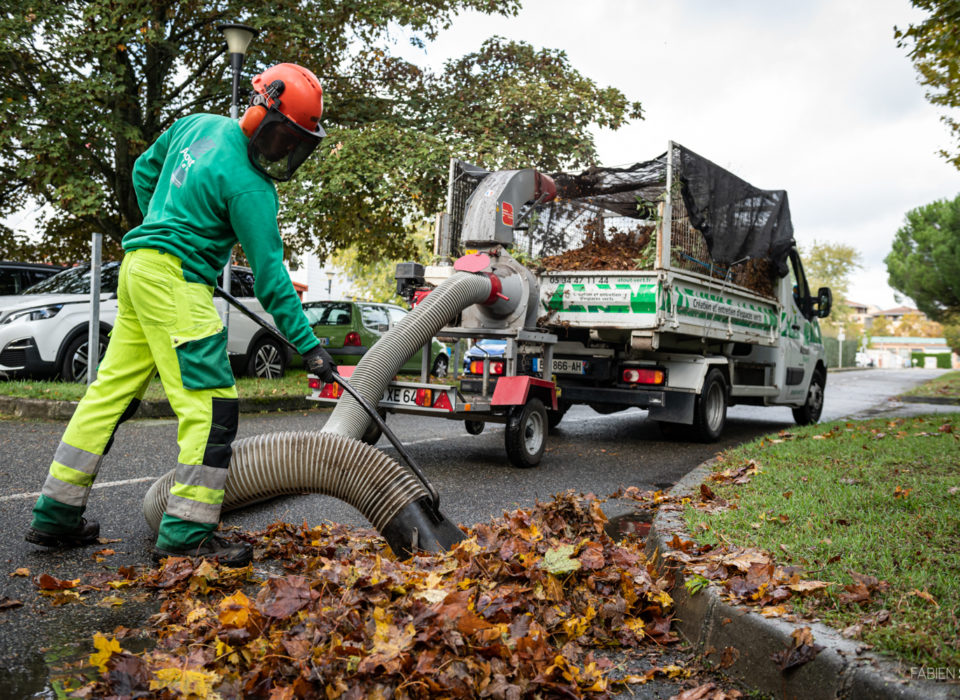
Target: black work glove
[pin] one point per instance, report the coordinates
(319, 362)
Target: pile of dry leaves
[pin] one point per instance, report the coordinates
(508, 613)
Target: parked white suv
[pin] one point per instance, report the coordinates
(43, 330)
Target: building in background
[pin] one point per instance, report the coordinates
(322, 282)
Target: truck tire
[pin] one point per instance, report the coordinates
(526, 434)
(474, 427)
(810, 412)
(554, 417)
(710, 412)
(73, 365)
(372, 434)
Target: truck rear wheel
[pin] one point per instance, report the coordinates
(526, 434)
(710, 413)
(474, 427)
(373, 432)
(554, 417)
(810, 412)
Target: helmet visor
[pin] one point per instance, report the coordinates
(279, 145)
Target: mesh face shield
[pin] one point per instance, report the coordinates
(279, 145)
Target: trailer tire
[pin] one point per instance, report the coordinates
(373, 432)
(809, 413)
(526, 434)
(710, 412)
(474, 427)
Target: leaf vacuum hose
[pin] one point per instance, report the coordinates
(333, 461)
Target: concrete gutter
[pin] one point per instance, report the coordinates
(62, 410)
(713, 626)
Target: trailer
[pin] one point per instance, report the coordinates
(671, 285)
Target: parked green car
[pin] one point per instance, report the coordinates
(347, 329)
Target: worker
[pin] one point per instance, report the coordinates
(203, 186)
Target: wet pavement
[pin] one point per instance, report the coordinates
(587, 453)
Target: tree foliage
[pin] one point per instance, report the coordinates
(375, 281)
(934, 47)
(832, 265)
(87, 86)
(924, 263)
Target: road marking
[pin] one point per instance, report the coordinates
(104, 485)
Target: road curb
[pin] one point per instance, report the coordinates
(940, 400)
(63, 410)
(713, 626)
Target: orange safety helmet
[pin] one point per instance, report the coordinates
(283, 120)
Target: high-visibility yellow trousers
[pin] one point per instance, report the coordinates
(167, 325)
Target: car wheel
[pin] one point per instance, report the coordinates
(267, 360)
(526, 434)
(810, 412)
(440, 366)
(73, 368)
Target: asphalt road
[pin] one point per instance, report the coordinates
(588, 453)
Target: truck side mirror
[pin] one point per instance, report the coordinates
(824, 302)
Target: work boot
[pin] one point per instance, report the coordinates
(85, 533)
(214, 547)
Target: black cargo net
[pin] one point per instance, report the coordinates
(607, 219)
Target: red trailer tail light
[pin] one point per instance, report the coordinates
(313, 382)
(331, 391)
(353, 338)
(635, 375)
(443, 402)
(424, 397)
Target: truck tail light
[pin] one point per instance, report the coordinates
(476, 367)
(331, 391)
(424, 397)
(634, 375)
(353, 338)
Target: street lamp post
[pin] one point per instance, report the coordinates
(238, 38)
(330, 277)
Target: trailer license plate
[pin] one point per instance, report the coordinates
(400, 395)
(563, 366)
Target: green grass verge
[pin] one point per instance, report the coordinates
(946, 386)
(830, 499)
(294, 383)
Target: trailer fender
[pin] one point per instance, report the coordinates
(514, 391)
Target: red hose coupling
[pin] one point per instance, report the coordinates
(496, 290)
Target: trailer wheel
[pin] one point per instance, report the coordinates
(474, 427)
(526, 434)
(372, 434)
(810, 412)
(710, 413)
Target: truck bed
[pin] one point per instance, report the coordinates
(645, 304)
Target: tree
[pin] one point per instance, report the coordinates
(924, 263)
(934, 48)
(951, 331)
(375, 281)
(831, 265)
(880, 326)
(87, 86)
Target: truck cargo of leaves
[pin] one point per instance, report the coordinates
(636, 250)
(509, 612)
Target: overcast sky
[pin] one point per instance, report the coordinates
(810, 96)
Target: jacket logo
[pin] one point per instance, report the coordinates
(190, 155)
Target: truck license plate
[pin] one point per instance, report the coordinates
(564, 366)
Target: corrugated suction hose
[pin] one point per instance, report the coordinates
(334, 462)
(384, 359)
